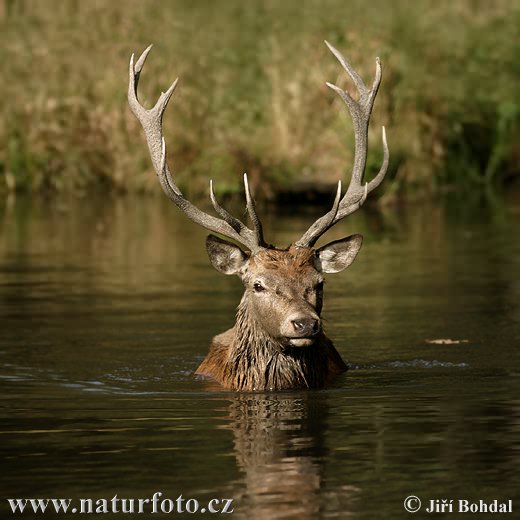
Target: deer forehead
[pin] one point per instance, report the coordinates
(291, 258)
(291, 265)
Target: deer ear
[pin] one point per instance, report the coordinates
(225, 256)
(338, 255)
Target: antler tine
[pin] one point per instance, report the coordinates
(230, 219)
(151, 121)
(251, 209)
(356, 78)
(360, 112)
(376, 181)
(314, 232)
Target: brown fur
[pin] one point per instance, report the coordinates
(291, 261)
(246, 357)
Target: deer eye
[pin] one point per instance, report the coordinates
(258, 287)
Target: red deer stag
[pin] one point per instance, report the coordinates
(277, 341)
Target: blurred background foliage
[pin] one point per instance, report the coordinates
(252, 95)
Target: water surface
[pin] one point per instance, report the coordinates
(108, 306)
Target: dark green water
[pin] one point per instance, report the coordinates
(106, 309)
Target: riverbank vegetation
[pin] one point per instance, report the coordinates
(252, 95)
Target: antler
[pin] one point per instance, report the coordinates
(151, 121)
(356, 193)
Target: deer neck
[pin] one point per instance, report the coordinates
(258, 361)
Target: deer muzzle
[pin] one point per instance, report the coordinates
(304, 330)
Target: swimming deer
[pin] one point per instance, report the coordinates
(278, 340)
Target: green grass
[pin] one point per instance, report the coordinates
(252, 95)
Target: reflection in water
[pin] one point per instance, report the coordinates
(279, 445)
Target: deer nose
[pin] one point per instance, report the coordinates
(306, 326)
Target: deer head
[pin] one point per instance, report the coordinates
(283, 287)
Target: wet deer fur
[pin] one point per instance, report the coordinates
(277, 341)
